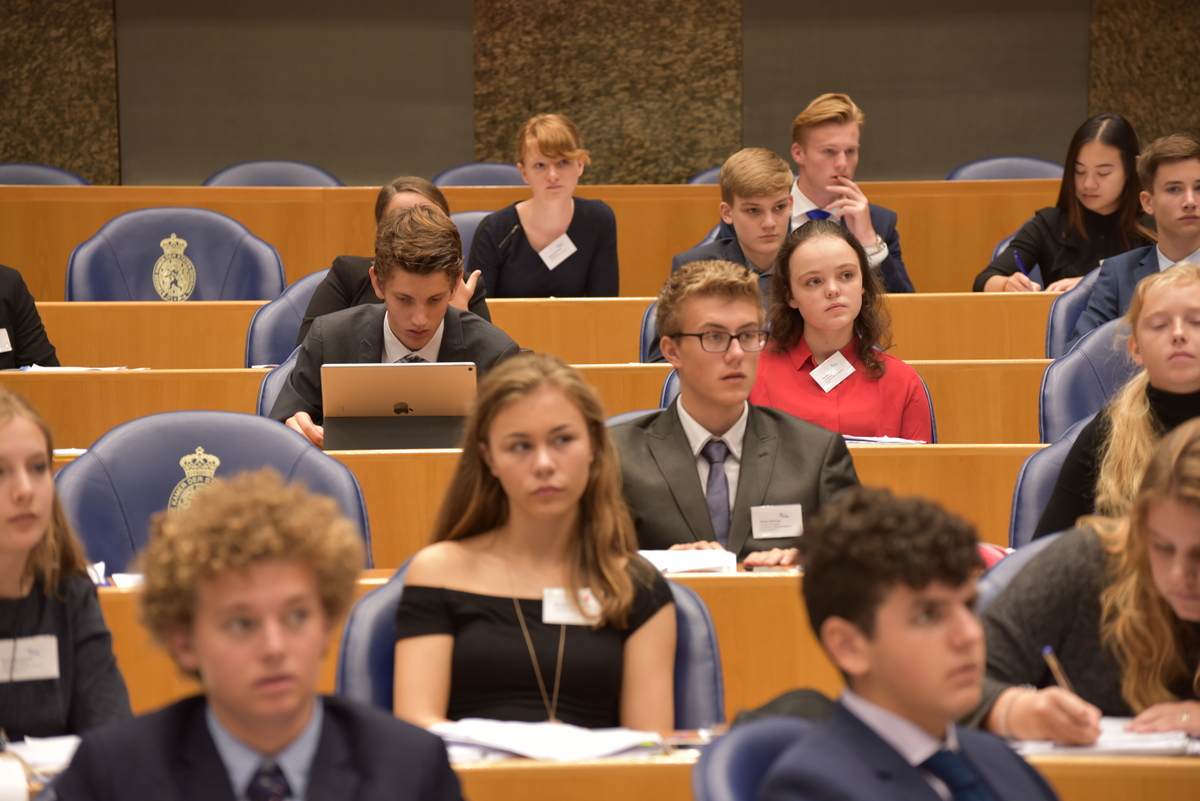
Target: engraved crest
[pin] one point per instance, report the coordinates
(199, 470)
(174, 273)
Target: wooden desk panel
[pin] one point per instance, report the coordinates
(576, 330)
(984, 402)
(971, 325)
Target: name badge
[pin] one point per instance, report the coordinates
(833, 371)
(775, 522)
(556, 608)
(5, 342)
(557, 251)
(29, 658)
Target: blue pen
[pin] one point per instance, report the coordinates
(1021, 264)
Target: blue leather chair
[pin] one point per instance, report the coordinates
(467, 222)
(367, 659)
(997, 577)
(648, 336)
(1005, 167)
(272, 384)
(670, 390)
(480, 173)
(708, 176)
(1035, 483)
(1065, 311)
(733, 767)
(711, 236)
(154, 463)
(625, 417)
(1084, 379)
(15, 173)
(275, 326)
(119, 262)
(272, 173)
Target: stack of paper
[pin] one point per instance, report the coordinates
(46, 756)
(705, 561)
(555, 742)
(1114, 740)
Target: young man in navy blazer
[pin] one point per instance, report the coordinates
(1169, 170)
(245, 588)
(889, 584)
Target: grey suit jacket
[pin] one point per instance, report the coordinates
(355, 336)
(784, 460)
(1113, 292)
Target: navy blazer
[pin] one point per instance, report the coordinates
(720, 249)
(1118, 278)
(20, 320)
(168, 755)
(845, 759)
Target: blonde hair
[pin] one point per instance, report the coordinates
(828, 107)
(1134, 431)
(59, 553)
(754, 172)
(713, 278)
(475, 502)
(1137, 624)
(556, 136)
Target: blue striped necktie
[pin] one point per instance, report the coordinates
(959, 776)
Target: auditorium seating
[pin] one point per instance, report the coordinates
(734, 765)
(1005, 167)
(1065, 313)
(22, 174)
(272, 173)
(1081, 382)
(480, 173)
(275, 326)
(1035, 484)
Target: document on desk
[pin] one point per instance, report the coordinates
(475, 739)
(1116, 741)
(46, 755)
(704, 561)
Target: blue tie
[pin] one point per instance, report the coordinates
(411, 358)
(268, 784)
(717, 490)
(818, 214)
(959, 776)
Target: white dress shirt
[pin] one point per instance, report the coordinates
(1164, 262)
(394, 350)
(801, 206)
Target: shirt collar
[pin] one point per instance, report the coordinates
(802, 355)
(801, 206)
(909, 740)
(242, 762)
(394, 349)
(1164, 262)
(698, 436)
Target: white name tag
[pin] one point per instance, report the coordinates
(556, 608)
(557, 251)
(35, 658)
(774, 522)
(833, 371)
(5, 342)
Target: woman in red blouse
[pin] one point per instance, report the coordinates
(829, 327)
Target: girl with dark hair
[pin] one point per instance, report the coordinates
(1098, 214)
(829, 324)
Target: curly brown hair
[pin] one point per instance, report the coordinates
(872, 327)
(418, 240)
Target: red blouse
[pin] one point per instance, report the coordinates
(893, 405)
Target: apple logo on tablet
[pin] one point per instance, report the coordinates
(401, 408)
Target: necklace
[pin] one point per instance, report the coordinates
(551, 704)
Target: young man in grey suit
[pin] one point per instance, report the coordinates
(1169, 171)
(713, 471)
(417, 268)
(890, 591)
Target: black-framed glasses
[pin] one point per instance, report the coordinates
(719, 341)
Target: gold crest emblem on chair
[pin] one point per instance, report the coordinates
(174, 273)
(199, 470)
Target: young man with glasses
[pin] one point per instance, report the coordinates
(713, 471)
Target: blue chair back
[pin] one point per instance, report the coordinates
(272, 384)
(275, 326)
(1083, 380)
(1065, 311)
(480, 173)
(933, 438)
(711, 236)
(670, 390)
(1035, 484)
(154, 463)
(15, 173)
(467, 222)
(1005, 167)
(708, 176)
(272, 173)
(367, 657)
(997, 577)
(648, 336)
(121, 261)
(733, 767)
(625, 417)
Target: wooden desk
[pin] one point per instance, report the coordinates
(970, 325)
(984, 402)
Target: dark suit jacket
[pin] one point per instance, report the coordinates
(784, 460)
(168, 755)
(348, 283)
(844, 759)
(1118, 278)
(19, 317)
(723, 249)
(355, 336)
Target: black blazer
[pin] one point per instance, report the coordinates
(168, 755)
(348, 283)
(355, 336)
(20, 320)
(784, 460)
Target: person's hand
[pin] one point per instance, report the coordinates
(466, 290)
(854, 209)
(703, 545)
(1063, 284)
(1052, 713)
(1019, 282)
(775, 556)
(303, 422)
(1181, 716)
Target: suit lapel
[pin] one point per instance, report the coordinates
(905, 781)
(333, 777)
(370, 343)
(673, 454)
(199, 773)
(452, 337)
(1147, 266)
(754, 474)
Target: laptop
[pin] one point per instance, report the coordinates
(386, 406)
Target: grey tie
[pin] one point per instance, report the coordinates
(717, 491)
(411, 358)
